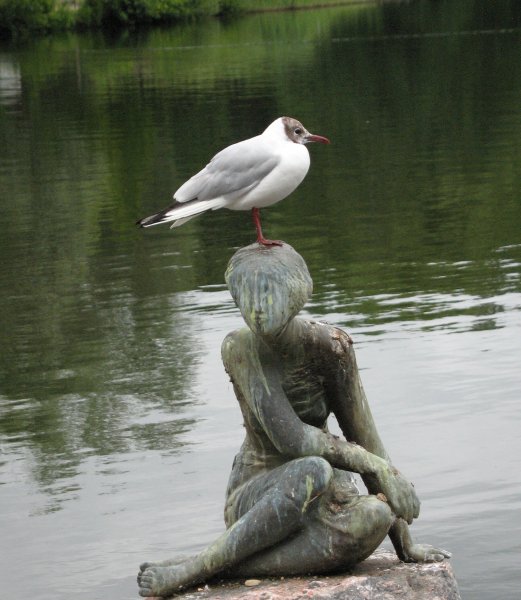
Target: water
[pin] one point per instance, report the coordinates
(117, 423)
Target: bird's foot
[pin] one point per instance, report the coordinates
(265, 242)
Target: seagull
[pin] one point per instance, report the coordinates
(251, 174)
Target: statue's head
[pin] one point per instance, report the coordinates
(270, 285)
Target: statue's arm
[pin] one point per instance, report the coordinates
(354, 416)
(346, 393)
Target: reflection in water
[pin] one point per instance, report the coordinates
(455, 297)
(10, 82)
(113, 400)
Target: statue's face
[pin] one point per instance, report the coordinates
(269, 306)
(269, 287)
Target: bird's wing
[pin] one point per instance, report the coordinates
(235, 170)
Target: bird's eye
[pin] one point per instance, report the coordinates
(298, 130)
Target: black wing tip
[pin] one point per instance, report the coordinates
(144, 222)
(156, 218)
(152, 220)
(161, 216)
(149, 221)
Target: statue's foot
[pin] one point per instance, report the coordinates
(162, 563)
(163, 581)
(425, 553)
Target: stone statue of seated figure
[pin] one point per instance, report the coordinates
(292, 506)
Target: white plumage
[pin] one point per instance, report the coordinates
(251, 174)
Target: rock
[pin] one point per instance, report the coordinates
(381, 577)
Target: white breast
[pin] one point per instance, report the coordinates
(279, 183)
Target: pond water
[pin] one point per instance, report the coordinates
(118, 425)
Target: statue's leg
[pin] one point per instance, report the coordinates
(330, 543)
(270, 508)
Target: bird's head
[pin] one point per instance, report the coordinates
(297, 133)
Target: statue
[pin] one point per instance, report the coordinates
(292, 506)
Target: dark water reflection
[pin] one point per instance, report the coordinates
(117, 423)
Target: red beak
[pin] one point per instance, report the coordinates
(317, 138)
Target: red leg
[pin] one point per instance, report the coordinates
(255, 213)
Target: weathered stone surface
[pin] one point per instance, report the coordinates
(381, 577)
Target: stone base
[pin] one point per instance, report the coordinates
(381, 577)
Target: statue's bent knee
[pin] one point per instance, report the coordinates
(310, 478)
(318, 473)
(357, 527)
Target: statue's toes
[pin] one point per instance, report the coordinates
(437, 555)
(442, 554)
(145, 585)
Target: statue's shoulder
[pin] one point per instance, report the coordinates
(321, 327)
(238, 335)
(329, 336)
(236, 341)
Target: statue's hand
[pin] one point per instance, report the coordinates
(399, 492)
(424, 553)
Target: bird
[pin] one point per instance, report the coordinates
(251, 174)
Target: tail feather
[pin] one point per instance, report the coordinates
(179, 222)
(180, 212)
